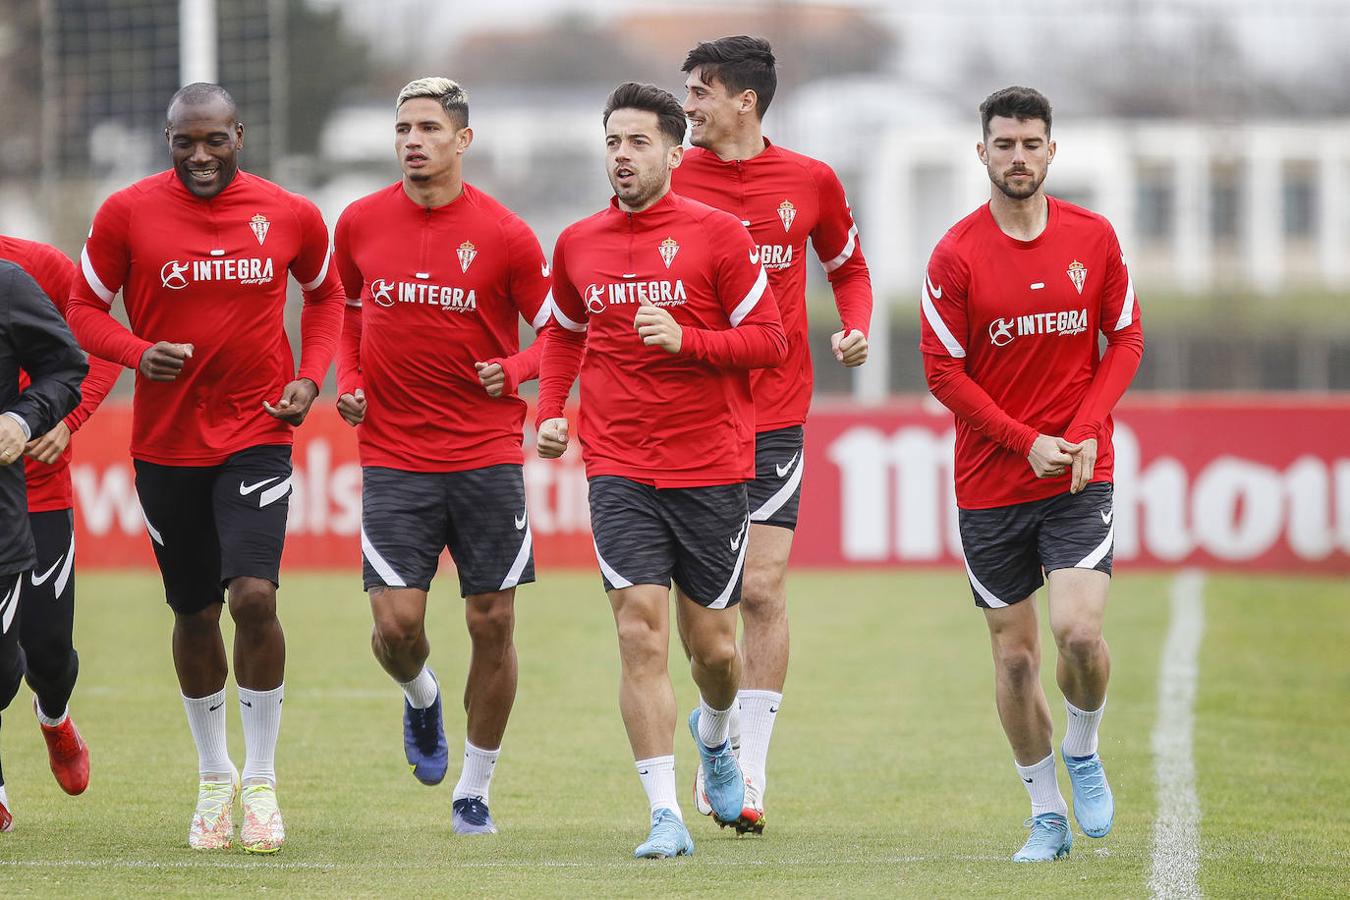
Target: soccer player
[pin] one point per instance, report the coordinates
(46, 627)
(200, 253)
(783, 198)
(670, 304)
(34, 340)
(1014, 298)
(436, 274)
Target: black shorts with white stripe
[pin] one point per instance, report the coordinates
(695, 536)
(777, 489)
(479, 514)
(211, 524)
(1009, 548)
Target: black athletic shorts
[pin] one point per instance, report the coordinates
(479, 514)
(211, 524)
(649, 535)
(52, 579)
(777, 489)
(1009, 548)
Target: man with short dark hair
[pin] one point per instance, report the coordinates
(784, 199)
(33, 340)
(200, 253)
(668, 301)
(1013, 300)
(437, 275)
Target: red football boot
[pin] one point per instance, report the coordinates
(67, 753)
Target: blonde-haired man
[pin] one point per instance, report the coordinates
(436, 274)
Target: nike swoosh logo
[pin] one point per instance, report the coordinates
(642, 771)
(934, 291)
(214, 708)
(773, 709)
(248, 703)
(246, 489)
(783, 469)
(754, 257)
(1027, 780)
(740, 535)
(1107, 516)
(520, 521)
(39, 580)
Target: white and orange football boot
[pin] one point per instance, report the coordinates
(212, 825)
(262, 830)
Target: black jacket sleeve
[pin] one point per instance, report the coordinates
(44, 348)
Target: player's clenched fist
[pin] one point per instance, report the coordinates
(352, 407)
(492, 377)
(48, 448)
(850, 349)
(1051, 456)
(164, 360)
(11, 440)
(658, 328)
(552, 440)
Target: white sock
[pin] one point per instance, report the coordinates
(658, 780)
(1081, 739)
(714, 724)
(261, 712)
(1043, 787)
(758, 711)
(422, 690)
(50, 722)
(206, 718)
(4, 798)
(734, 724)
(476, 777)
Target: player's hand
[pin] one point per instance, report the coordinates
(48, 448)
(352, 407)
(658, 328)
(1051, 456)
(552, 440)
(493, 378)
(1084, 461)
(850, 349)
(164, 361)
(12, 440)
(296, 399)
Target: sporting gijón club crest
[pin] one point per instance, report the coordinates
(668, 250)
(467, 251)
(786, 213)
(259, 225)
(1077, 273)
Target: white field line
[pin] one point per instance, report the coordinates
(1176, 828)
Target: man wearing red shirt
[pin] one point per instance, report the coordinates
(437, 274)
(200, 253)
(1013, 300)
(47, 625)
(670, 304)
(783, 198)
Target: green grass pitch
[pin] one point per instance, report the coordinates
(889, 775)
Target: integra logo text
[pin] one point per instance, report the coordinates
(387, 292)
(653, 293)
(1068, 321)
(176, 275)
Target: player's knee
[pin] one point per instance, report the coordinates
(397, 631)
(641, 642)
(253, 602)
(1018, 662)
(762, 593)
(491, 621)
(716, 653)
(1078, 642)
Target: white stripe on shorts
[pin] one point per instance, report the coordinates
(983, 591)
(783, 494)
(613, 577)
(382, 568)
(725, 596)
(513, 576)
(1090, 561)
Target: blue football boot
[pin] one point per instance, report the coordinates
(469, 815)
(424, 742)
(667, 838)
(1093, 805)
(1051, 838)
(723, 782)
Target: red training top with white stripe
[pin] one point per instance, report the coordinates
(783, 198)
(211, 273)
(1010, 345)
(683, 420)
(49, 486)
(430, 292)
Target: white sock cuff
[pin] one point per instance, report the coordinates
(765, 696)
(470, 750)
(50, 722)
(274, 694)
(421, 691)
(655, 762)
(206, 721)
(1080, 738)
(1085, 712)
